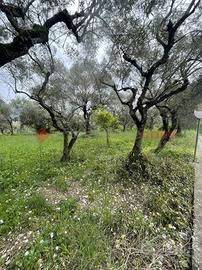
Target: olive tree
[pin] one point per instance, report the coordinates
(3, 124)
(6, 117)
(46, 85)
(85, 89)
(174, 111)
(157, 59)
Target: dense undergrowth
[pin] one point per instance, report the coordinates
(92, 213)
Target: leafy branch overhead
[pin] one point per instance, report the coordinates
(24, 37)
(167, 45)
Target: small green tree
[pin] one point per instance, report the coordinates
(105, 120)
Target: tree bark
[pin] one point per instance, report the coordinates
(87, 125)
(11, 127)
(151, 124)
(179, 129)
(65, 156)
(12, 132)
(167, 131)
(67, 146)
(163, 141)
(137, 147)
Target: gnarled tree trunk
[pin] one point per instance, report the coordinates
(87, 115)
(67, 146)
(151, 123)
(137, 147)
(167, 131)
(87, 125)
(179, 128)
(10, 122)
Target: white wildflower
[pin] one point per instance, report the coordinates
(26, 253)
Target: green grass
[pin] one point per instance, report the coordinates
(83, 215)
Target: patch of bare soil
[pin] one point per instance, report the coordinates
(76, 191)
(12, 244)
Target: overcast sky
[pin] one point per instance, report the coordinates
(5, 92)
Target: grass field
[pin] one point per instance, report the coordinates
(88, 214)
